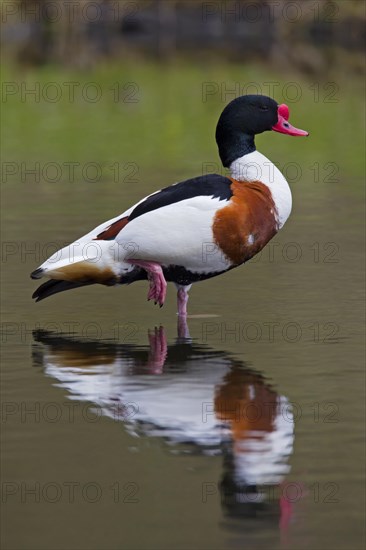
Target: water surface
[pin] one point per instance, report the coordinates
(245, 434)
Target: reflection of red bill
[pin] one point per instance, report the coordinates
(283, 126)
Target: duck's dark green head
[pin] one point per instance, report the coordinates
(246, 116)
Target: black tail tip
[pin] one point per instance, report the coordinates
(54, 286)
(37, 274)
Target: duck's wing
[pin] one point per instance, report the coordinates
(205, 225)
(184, 208)
(175, 225)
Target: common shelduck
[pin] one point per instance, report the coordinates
(220, 405)
(191, 230)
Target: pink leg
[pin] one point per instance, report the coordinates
(158, 351)
(157, 291)
(286, 509)
(182, 299)
(183, 330)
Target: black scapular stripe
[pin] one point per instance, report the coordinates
(210, 185)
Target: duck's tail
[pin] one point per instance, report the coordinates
(93, 259)
(74, 275)
(54, 286)
(79, 264)
(67, 272)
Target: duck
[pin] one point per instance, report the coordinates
(216, 403)
(192, 230)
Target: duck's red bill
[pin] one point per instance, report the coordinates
(283, 126)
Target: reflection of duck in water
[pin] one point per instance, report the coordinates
(262, 437)
(201, 398)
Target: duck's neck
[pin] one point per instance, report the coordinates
(254, 166)
(233, 145)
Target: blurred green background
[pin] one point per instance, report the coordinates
(142, 84)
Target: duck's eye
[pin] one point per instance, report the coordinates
(263, 108)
